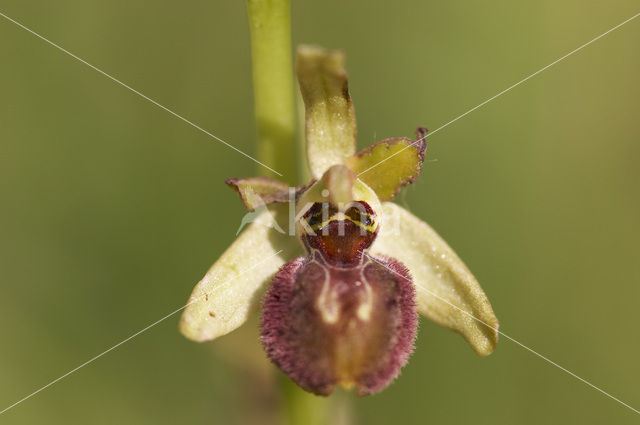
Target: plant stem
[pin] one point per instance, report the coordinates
(273, 85)
(301, 407)
(275, 108)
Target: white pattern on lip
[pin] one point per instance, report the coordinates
(327, 302)
(366, 305)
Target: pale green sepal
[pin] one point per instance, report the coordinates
(444, 286)
(222, 300)
(330, 123)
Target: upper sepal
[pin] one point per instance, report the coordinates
(330, 122)
(391, 164)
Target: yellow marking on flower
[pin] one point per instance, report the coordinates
(339, 216)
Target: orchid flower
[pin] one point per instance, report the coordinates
(343, 292)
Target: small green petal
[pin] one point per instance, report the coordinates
(329, 116)
(222, 300)
(389, 165)
(444, 285)
(256, 192)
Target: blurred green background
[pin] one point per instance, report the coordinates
(112, 209)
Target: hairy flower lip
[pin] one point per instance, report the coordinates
(324, 332)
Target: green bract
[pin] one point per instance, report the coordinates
(446, 291)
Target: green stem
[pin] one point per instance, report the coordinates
(301, 407)
(273, 85)
(276, 118)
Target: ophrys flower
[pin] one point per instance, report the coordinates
(344, 311)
